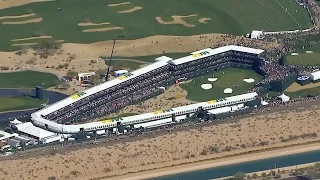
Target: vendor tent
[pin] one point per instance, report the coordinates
(284, 97)
(256, 34)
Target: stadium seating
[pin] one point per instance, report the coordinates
(148, 85)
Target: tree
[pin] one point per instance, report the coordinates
(240, 175)
(94, 78)
(100, 73)
(49, 44)
(254, 176)
(52, 178)
(64, 86)
(72, 73)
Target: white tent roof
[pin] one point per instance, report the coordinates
(15, 121)
(29, 128)
(284, 97)
(315, 75)
(256, 34)
(163, 58)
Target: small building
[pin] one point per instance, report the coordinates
(284, 97)
(85, 76)
(51, 139)
(257, 34)
(14, 143)
(163, 58)
(315, 76)
(120, 73)
(15, 122)
(4, 135)
(40, 135)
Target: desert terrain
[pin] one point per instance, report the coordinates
(270, 130)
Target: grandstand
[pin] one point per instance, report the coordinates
(145, 83)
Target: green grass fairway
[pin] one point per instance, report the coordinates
(9, 103)
(311, 59)
(304, 44)
(129, 65)
(227, 16)
(231, 78)
(27, 79)
(312, 92)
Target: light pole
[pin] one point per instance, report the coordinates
(109, 64)
(275, 167)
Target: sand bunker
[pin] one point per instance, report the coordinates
(102, 29)
(92, 24)
(30, 44)
(118, 4)
(309, 52)
(228, 91)
(25, 22)
(206, 86)
(177, 20)
(30, 38)
(12, 3)
(24, 44)
(294, 54)
(14, 17)
(204, 20)
(212, 79)
(136, 8)
(250, 80)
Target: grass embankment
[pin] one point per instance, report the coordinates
(27, 79)
(10, 103)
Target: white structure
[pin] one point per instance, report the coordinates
(4, 135)
(15, 122)
(284, 97)
(315, 76)
(257, 34)
(83, 76)
(228, 91)
(33, 131)
(142, 118)
(210, 52)
(163, 58)
(39, 120)
(120, 73)
(206, 86)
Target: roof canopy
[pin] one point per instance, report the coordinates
(29, 128)
(256, 34)
(284, 97)
(163, 58)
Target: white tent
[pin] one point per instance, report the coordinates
(15, 122)
(284, 97)
(256, 34)
(30, 129)
(315, 76)
(163, 58)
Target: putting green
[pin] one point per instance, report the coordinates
(227, 78)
